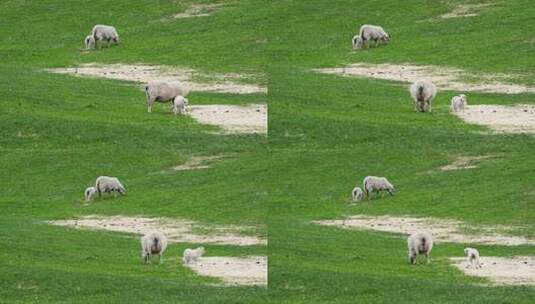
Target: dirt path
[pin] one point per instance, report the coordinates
(233, 119)
(501, 270)
(198, 10)
(501, 119)
(250, 270)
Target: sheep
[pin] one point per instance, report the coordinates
(423, 92)
(192, 255)
(179, 104)
(89, 193)
(153, 243)
(458, 103)
(357, 194)
(89, 42)
(472, 257)
(377, 184)
(161, 91)
(376, 33)
(357, 42)
(107, 184)
(420, 243)
(106, 33)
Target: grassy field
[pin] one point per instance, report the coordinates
(327, 133)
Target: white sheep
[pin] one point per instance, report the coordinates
(375, 33)
(89, 193)
(423, 92)
(161, 91)
(89, 42)
(458, 103)
(106, 33)
(420, 243)
(472, 257)
(192, 255)
(377, 184)
(107, 184)
(356, 42)
(179, 104)
(153, 243)
(357, 194)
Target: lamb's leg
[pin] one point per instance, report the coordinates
(160, 258)
(427, 259)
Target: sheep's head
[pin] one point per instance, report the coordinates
(386, 38)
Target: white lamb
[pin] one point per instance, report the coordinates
(106, 33)
(179, 104)
(153, 243)
(90, 193)
(419, 243)
(161, 91)
(356, 42)
(377, 184)
(107, 184)
(192, 255)
(458, 103)
(357, 194)
(375, 33)
(89, 42)
(472, 257)
(423, 92)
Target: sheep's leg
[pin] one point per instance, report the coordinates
(160, 258)
(427, 259)
(150, 102)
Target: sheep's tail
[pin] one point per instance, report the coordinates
(366, 187)
(420, 94)
(147, 92)
(424, 244)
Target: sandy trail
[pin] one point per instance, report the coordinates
(501, 119)
(250, 270)
(445, 78)
(464, 162)
(198, 10)
(449, 231)
(176, 230)
(251, 118)
(518, 270)
(222, 83)
(197, 163)
(464, 10)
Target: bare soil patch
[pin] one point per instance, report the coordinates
(464, 10)
(449, 231)
(464, 162)
(222, 83)
(196, 163)
(250, 270)
(251, 118)
(518, 270)
(198, 10)
(443, 77)
(176, 230)
(501, 119)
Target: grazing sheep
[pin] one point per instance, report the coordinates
(375, 33)
(472, 257)
(107, 184)
(89, 42)
(105, 33)
(90, 193)
(377, 184)
(357, 194)
(153, 243)
(419, 243)
(179, 105)
(357, 42)
(423, 92)
(192, 255)
(458, 103)
(160, 91)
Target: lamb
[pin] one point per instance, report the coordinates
(472, 257)
(357, 42)
(89, 193)
(179, 105)
(423, 92)
(357, 194)
(375, 33)
(192, 255)
(106, 33)
(377, 184)
(107, 184)
(419, 243)
(161, 91)
(458, 103)
(89, 42)
(153, 243)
